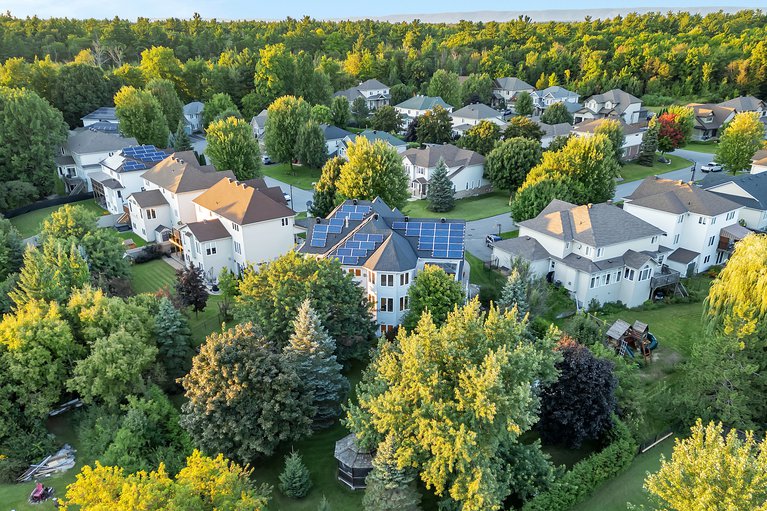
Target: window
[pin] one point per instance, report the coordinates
(628, 274)
(119, 194)
(387, 280)
(654, 239)
(357, 272)
(237, 248)
(676, 239)
(713, 220)
(660, 258)
(387, 304)
(404, 279)
(151, 214)
(197, 247)
(593, 282)
(210, 249)
(711, 241)
(567, 245)
(730, 215)
(702, 220)
(600, 251)
(372, 277)
(404, 303)
(644, 274)
(285, 222)
(235, 227)
(607, 279)
(588, 250)
(680, 219)
(706, 259)
(618, 276)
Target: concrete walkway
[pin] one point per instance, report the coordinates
(299, 196)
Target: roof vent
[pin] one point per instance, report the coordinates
(375, 216)
(609, 202)
(354, 201)
(407, 219)
(442, 220)
(318, 220)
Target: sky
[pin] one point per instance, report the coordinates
(323, 9)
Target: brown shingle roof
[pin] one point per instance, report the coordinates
(679, 197)
(208, 230)
(454, 156)
(717, 113)
(149, 199)
(180, 172)
(241, 203)
(591, 126)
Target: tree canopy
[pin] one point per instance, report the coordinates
(231, 146)
(141, 116)
(741, 138)
(435, 126)
(373, 169)
(434, 291)
(509, 163)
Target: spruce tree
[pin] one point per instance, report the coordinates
(311, 350)
(50, 273)
(295, 480)
(190, 288)
(174, 340)
(181, 141)
(515, 293)
(388, 486)
(440, 192)
(649, 146)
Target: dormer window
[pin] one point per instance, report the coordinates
(600, 251)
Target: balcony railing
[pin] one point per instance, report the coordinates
(666, 277)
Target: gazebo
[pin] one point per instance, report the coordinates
(354, 463)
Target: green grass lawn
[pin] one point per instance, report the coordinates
(702, 147)
(138, 240)
(509, 234)
(627, 487)
(635, 171)
(301, 177)
(490, 281)
(471, 208)
(29, 224)
(151, 276)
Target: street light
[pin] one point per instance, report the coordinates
(694, 165)
(499, 228)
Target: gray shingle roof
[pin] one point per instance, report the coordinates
(591, 127)
(715, 114)
(181, 172)
(371, 84)
(556, 92)
(525, 247)
(454, 156)
(597, 225)
(104, 113)
(744, 103)
(556, 130)
(679, 197)
(753, 184)
(634, 259)
(195, 107)
(620, 99)
(395, 254)
(512, 83)
(476, 111)
(87, 141)
(333, 132)
(104, 179)
(423, 103)
(149, 199)
(374, 135)
(208, 230)
(682, 255)
(583, 263)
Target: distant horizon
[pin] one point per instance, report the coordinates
(446, 11)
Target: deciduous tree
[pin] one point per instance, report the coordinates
(481, 137)
(141, 116)
(373, 169)
(557, 114)
(477, 88)
(312, 149)
(523, 105)
(525, 127)
(509, 163)
(613, 130)
(78, 90)
(50, 273)
(444, 84)
(231, 146)
(190, 288)
(670, 133)
(165, 93)
(741, 138)
(435, 126)
(386, 118)
(321, 114)
(339, 111)
(360, 111)
(434, 291)
(286, 117)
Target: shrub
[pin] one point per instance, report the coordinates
(295, 480)
(146, 254)
(581, 481)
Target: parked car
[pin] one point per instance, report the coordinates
(287, 197)
(711, 166)
(265, 159)
(491, 238)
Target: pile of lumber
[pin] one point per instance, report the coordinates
(52, 464)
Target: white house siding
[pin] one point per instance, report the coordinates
(115, 199)
(754, 218)
(196, 253)
(757, 168)
(397, 293)
(470, 178)
(144, 226)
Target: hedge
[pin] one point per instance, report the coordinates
(586, 475)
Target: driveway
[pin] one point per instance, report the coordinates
(299, 196)
(622, 190)
(478, 229)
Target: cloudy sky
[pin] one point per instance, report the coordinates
(262, 9)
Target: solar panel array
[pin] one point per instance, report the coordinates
(353, 212)
(358, 247)
(144, 154)
(442, 239)
(321, 231)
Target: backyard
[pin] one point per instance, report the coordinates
(300, 177)
(28, 224)
(635, 171)
(470, 208)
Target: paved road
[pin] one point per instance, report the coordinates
(478, 229)
(622, 190)
(299, 197)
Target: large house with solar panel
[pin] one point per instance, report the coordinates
(384, 250)
(120, 175)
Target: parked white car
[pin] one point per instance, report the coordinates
(711, 166)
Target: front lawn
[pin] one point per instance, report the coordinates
(470, 208)
(509, 234)
(29, 224)
(702, 147)
(152, 276)
(635, 171)
(301, 177)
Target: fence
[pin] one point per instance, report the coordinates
(652, 442)
(58, 201)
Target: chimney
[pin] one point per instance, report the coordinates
(589, 205)
(442, 220)
(407, 219)
(609, 202)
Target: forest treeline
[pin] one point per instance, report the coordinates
(677, 55)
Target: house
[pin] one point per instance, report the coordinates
(385, 250)
(709, 119)
(334, 138)
(631, 132)
(699, 225)
(552, 131)
(258, 123)
(193, 116)
(505, 91)
(82, 155)
(748, 190)
(375, 93)
(759, 162)
(164, 201)
(613, 104)
(417, 106)
(542, 99)
(749, 104)
(471, 115)
(373, 136)
(120, 176)
(598, 252)
(103, 115)
(236, 225)
(465, 169)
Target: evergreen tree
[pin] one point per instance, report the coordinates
(649, 146)
(174, 340)
(312, 352)
(181, 141)
(165, 93)
(295, 479)
(440, 194)
(50, 274)
(388, 486)
(524, 104)
(514, 294)
(312, 149)
(190, 288)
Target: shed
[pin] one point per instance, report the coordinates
(354, 463)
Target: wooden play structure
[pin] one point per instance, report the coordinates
(628, 340)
